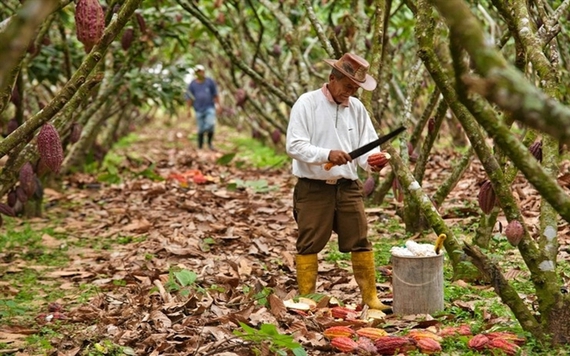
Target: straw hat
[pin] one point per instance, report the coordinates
(355, 68)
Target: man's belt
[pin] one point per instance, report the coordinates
(340, 181)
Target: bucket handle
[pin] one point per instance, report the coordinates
(413, 284)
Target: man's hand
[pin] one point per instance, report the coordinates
(338, 158)
(377, 161)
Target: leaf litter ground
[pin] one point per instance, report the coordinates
(176, 266)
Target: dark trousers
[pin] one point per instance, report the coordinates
(321, 208)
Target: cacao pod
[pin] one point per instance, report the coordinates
(343, 313)
(344, 344)
(26, 178)
(21, 195)
(431, 125)
(397, 189)
(478, 342)
(536, 150)
(487, 198)
(462, 330)
(366, 345)
(49, 147)
(379, 159)
(75, 132)
(41, 167)
(391, 345)
(337, 331)
(428, 346)
(12, 198)
(506, 347)
(127, 38)
(89, 22)
(141, 22)
(241, 97)
(412, 153)
(7, 210)
(368, 186)
(509, 336)
(15, 97)
(371, 333)
(276, 136)
(255, 134)
(514, 232)
(418, 334)
(276, 50)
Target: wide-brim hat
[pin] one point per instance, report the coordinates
(355, 68)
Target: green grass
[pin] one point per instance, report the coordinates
(254, 153)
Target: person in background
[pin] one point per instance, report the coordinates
(324, 125)
(202, 95)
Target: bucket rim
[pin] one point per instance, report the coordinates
(418, 257)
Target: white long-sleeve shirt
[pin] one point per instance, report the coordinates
(318, 125)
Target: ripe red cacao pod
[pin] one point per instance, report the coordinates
(26, 178)
(379, 159)
(392, 345)
(506, 347)
(49, 147)
(514, 232)
(344, 344)
(343, 313)
(487, 198)
(478, 342)
(89, 22)
(127, 38)
(428, 346)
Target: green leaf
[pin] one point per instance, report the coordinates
(185, 277)
(299, 351)
(226, 159)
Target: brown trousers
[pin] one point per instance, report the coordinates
(320, 209)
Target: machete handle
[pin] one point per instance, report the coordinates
(328, 166)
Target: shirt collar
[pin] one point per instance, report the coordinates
(327, 93)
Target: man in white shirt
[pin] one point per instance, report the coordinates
(325, 125)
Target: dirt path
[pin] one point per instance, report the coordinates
(173, 266)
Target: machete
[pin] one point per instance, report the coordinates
(370, 146)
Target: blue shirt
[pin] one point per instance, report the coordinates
(202, 94)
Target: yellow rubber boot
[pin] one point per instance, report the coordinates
(307, 270)
(364, 273)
